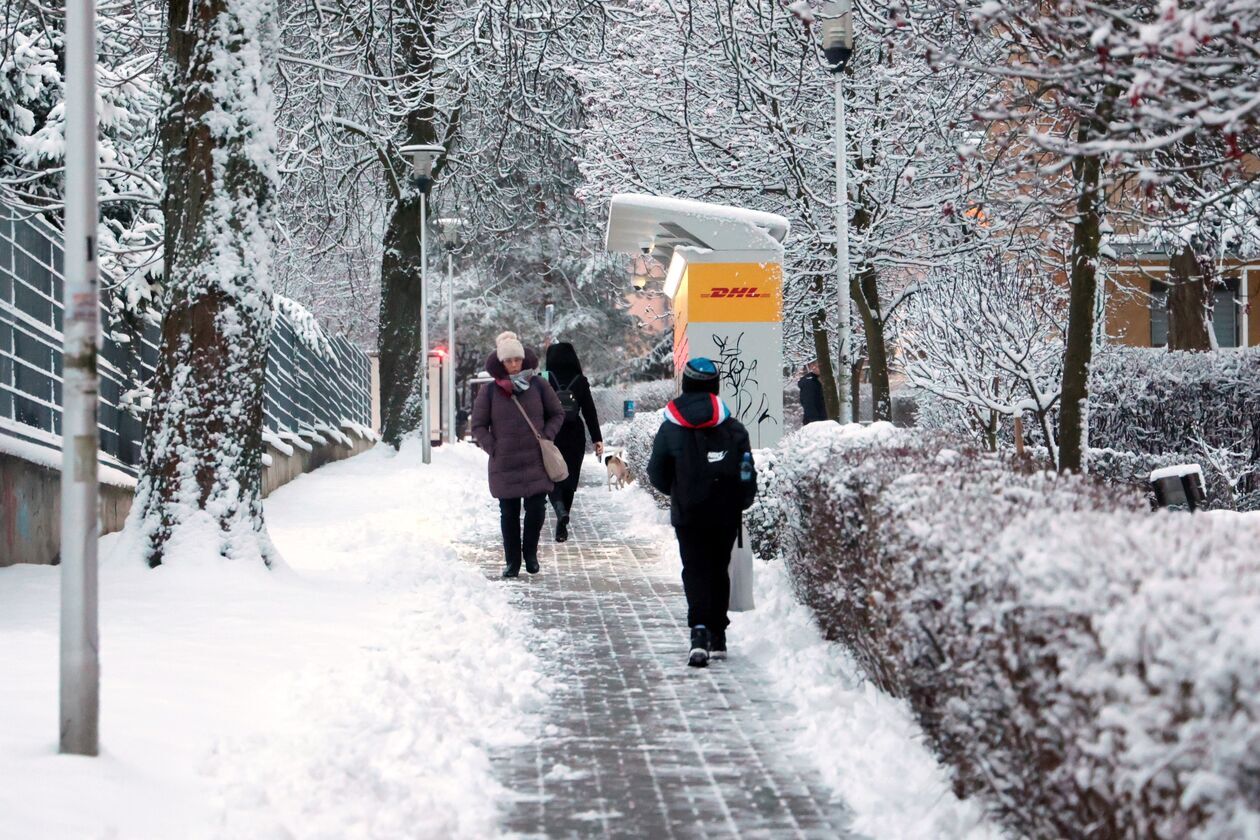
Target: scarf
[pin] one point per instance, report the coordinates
(520, 381)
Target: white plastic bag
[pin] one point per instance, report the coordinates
(741, 573)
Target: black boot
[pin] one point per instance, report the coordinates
(699, 656)
(562, 528)
(511, 570)
(531, 565)
(717, 646)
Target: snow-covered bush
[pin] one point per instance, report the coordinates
(1150, 408)
(1201, 407)
(649, 397)
(1089, 667)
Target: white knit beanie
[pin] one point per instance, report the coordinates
(508, 346)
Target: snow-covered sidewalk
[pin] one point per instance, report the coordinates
(782, 740)
(348, 695)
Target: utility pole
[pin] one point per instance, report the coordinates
(80, 663)
(426, 405)
(451, 435)
(837, 32)
(422, 157)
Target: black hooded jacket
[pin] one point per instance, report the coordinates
(696, 459)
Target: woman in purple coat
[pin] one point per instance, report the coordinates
(517, 473)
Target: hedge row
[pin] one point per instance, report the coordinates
(1149, 407)
(1183, 407)
(1088, 667)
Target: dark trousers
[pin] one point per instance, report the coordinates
(706, 556)
(510, 523)
(573, 448)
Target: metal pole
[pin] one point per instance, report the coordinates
(80, 664)
(450, 349)
(1100, 313)
(842, 260)
(426, 445)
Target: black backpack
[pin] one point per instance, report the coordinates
(568, 401)
(708, 470)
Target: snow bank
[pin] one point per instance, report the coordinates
(1077, 659)
(355, 692)
(866, 744)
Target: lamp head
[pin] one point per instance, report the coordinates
(640, 272)
(837, 33)
(422, 156)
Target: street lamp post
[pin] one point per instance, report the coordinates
(80, 663)
(837, 35)
(450, 234)
(422, 159)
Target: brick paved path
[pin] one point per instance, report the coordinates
(637, 744)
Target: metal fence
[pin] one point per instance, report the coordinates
(305, 389)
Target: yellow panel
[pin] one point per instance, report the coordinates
(681, 311)
(746, 292)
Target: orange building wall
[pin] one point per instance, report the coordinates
(1129, 311)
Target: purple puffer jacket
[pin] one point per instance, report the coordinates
(516, 464)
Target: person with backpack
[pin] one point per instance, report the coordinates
(564, 374)
(701, 458)
(509, 418)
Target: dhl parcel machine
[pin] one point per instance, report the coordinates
(725, 284)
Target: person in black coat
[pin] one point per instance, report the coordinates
(812, 402)
(564, 373)
(702, 459)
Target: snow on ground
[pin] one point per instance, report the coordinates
(355, 693)
(866, 745)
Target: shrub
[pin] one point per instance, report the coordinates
(1091, 668)
(1201, 407)
(1149, 408)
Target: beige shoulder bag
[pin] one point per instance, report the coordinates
(553, 459)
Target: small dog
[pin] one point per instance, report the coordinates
(618, 470)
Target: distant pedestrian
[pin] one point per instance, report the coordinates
(812, 402)
(517, 473)
(564, 374)
(701, 457)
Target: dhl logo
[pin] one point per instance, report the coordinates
(734, 292)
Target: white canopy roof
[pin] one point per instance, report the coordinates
(662, 224)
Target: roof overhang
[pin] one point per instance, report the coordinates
(639, 224)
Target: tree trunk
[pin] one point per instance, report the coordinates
(398, 339)
(1189, 301)
(202, 459)
(822, 352)
(866, 292)
(1078, 352)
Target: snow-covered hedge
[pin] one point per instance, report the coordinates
(1200, 407)
(1088, 667)
(648, 397)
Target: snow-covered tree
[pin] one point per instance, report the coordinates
(201, 477)
(1092, 98)
(988, 338)
(32, 125)
(479, 77)
(732, 103)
